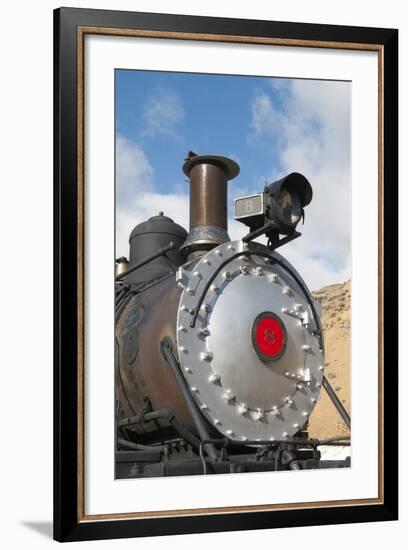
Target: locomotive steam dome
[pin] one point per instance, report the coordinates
(248, 342)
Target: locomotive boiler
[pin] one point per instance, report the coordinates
(219, 352)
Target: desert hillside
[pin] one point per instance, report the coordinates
(335, 301)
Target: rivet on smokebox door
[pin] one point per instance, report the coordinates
(206, 307)
(214, 378)
(227, 276)
(259, 271)
(244, 269)
(286, 290)
(206, 356)
(229, 396)
(204, 331)
(242, 408)
(259, 414)
(218, 252)
(273, 278)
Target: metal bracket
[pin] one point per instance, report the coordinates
(336, 402)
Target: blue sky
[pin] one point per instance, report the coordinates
(269, 126)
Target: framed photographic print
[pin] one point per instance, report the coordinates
(225, 274)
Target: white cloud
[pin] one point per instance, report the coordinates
(162, 113)
(312, 132)
(134, 173)
(136, 198)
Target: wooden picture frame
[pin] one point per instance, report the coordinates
(71, 26)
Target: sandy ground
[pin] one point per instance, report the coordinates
(335, 301)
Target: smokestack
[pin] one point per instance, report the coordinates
(208, 200)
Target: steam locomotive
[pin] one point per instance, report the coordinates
(219, 352)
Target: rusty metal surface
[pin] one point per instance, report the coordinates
(208, 199)
(141, 369)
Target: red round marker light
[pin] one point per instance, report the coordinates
(269, 336)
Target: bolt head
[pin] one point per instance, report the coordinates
(229, 396)
(206, 356)
(242, 408)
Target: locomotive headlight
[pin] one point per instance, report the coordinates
(279, 208)
(286, 199)
(288, 208)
